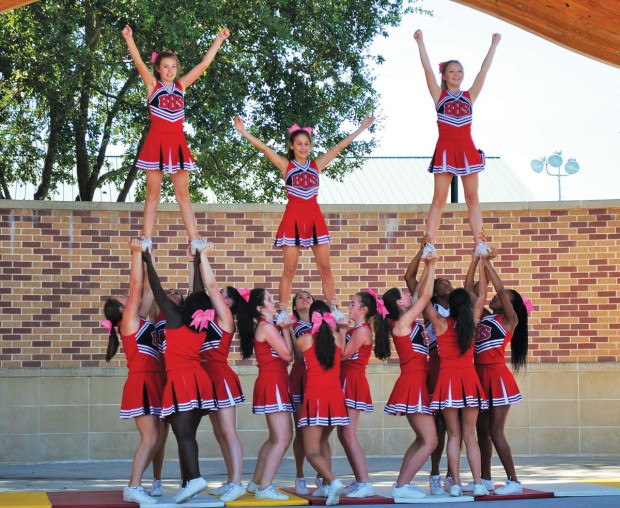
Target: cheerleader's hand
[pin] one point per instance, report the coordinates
(135, 245)
(224, 34)
(495, 38)
(417, 36)
(127, 32)
(239, 124)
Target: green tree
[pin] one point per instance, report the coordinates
(69, 90)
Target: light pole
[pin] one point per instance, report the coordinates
(555, 161)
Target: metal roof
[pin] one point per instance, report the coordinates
(405, 180)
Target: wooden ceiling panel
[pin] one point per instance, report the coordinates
(589, 27)
(7, 5)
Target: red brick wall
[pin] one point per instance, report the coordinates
(60, 261)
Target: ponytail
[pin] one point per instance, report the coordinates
(382, 324)
(325, 343)
(247, 317)
(112, 313)
(519, 341)
(462, 311)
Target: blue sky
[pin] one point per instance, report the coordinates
(538, 98)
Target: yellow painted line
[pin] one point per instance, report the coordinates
(249, 500)
(24, 499)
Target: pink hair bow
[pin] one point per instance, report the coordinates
(154, 56)
(318, 318)
(201, 318)
(107, 324)
(295, 128)
(245, 293)
(442, 66)
(529, 306)
(380, 305)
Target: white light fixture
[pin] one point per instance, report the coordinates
(555, 160)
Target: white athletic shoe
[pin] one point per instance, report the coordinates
(252, 487)
(488, 484)
(351, 487)
(429, 248)
(434, 482)
(280, 317)
(147, 244)
(448, 483)
(193, 488)
(407, 491)
(480, 490)
(270, 493)
(233, 492)
(511, 487)
(482, 249)
(301, 489)
(336, 488)
(218, 491)
(456, 491)
(137, 495)
(362, 490)
(197, 245)
(321, 491)
(156, 489)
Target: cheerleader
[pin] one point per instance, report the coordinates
(188, 393)
(507, 324)
(165, 149)
(410, 395)
(274, 351)
(324, 402)
(297, 377)
(303, 224)
(226, 384)
(455, 153)
(142, 393)
(355, 357)
(458, 389)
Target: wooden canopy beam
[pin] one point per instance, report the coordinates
(589, 27)
(7, 5)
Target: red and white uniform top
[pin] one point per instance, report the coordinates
(141, 348)
(302, 181)
(491, 340)
(167, 107)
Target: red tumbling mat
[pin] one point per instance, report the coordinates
(526, 494)
(98, 498)
(344, 500)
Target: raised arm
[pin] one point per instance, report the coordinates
(189, 78)
(146, 304)
(482, 291)
(165, 304)
(131, 319)
(277, 160)
(323, 161)
(222, 310)
(475, 89)
(511, 320)
(405, 323)
(411, 273)
(470, 281)
(143, 70)
(431, 81)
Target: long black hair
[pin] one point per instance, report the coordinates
(382, 324)
(247, 318)
(519, 341)
(324, 343)
(462, 311)
(112, 312)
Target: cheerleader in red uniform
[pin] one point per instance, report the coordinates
(355, 357)
(507, 324)
(188, 393)
(274, 351)
(458, 388)
(441, 290)
(226, 383)
(455, 153)
(142, 393)
(324, 403)
(297, 377)
(165, 149)
(303, 224)
(410, 395)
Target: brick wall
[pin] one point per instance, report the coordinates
(60, 261)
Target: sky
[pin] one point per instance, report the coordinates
(538, 98)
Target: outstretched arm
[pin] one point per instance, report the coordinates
(277, 160)
(143, 70)
(475, 89)
(482, 291)
(222, 310)
(189, 78)
(405, 323)
(471, 274)
(131, 318)
(146, 305)
(431, 82)
(167, 306)
(323, 161)
(412, 270)
(511, 320)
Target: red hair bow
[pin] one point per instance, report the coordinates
(201, 318)
(380, 305)
(318, 319)
(442, 66)
(107, 324)
(245, 293)
(529, 306)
